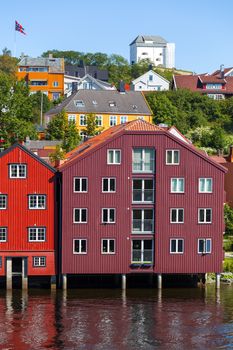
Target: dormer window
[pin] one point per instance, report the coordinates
(112, 104)
(135, 107)
(79, 103)
(214, 86)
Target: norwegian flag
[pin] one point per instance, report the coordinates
(19, 28)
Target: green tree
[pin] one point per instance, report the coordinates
(91, 128)
(228, 217)
(8, 64)
(36, 105)
(162, 108)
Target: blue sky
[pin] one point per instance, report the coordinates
(201, 29)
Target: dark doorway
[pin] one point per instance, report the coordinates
(16, 266)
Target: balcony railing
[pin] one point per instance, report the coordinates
(143, 196)
(142, 257)
(143, 167)
(143, 226)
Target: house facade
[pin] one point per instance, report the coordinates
(150, 81)
(151, 213)
(154, 48)
(73, 84)
(27, 216)
(43, 74)
(110, 108)
(218, 85)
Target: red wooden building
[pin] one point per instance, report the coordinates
(27, 215)
(140, 199)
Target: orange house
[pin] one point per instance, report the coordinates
(44, 74)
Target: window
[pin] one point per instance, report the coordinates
(123, 119)
(204, 246)
(36, 234)
(80, 215)
(82, 120)
(204, 216)
(112, 104)
(177, 215)
(38, 82)
(79, 246)
(80, 184)
(55, 83)
(177, 185)
(79, 103)
(3, 234)
(205, 185)
(143, 160)
(143, 190)
(108, 184)
(150, 77)
(142, 251)
(108, 216)
(143, 221)
(215, 86)
(55, 95)
(172, 157)
(114, 156)
(216, 96)
(3, 201)
(176, 246)
(83, 134)
(112, 120)
(71, 118)
(17, 171)
(37, 201)
(108, 246)
(99, 120)
(39, 261)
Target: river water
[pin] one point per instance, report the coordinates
(198, 318)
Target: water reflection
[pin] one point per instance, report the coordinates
(103, 319)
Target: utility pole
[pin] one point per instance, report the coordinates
(41, 109)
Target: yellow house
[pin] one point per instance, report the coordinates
(109, 107)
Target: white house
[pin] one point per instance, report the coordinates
(72, 83)
(154, 48)
(150, 81)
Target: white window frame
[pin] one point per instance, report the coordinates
(177, 216)
(83, 120)
(205, 222)
(114, 156)
(123, 119)
(80, 216)
(176, 239)
(177, 181)
(143, 221)
(81, 184)
(112, 120)
(55, 84)
(143, 149)
(39, 261)
(108, 216)
(143, 190)
(109, 187)
(173, 152)
(204, 239)
(80, 244)
(3, 200)
(99, 120)
(108, 246)
(17, 171)
(71, 118)
(37, 234)
(3, 230)
(37, 201)
(142, 251)
(205, 184)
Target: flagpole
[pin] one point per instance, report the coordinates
(15, 43)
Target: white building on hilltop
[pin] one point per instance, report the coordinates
(154, 48)
(150, 81)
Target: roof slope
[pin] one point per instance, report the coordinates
(156, 39)
(95, 101)
(138, 125)
(55, 64)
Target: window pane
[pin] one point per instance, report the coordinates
(137, 244)
(208, 246)
(111, 246)
(137, 159)
(104, 245)
(169, 157)
(77, 215)
(181, 215)
(148, 184)
(105, 215)
(173, 215)
(84, 185)
(209, 185)
(173, 245)
(83, 246)
(208, 215)
(176, 157)
(201, 215)
(76, 245)
(112, 185)
(84, 215)
(180, 245)
(148, 214)
(117, 157)
(201, 245)
(202, 185)
(180, 185)
(110, 156)
(105, 185)
(147, 244)
(112, 215)
(174, 185)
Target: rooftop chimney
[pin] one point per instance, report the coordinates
(222, 71)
